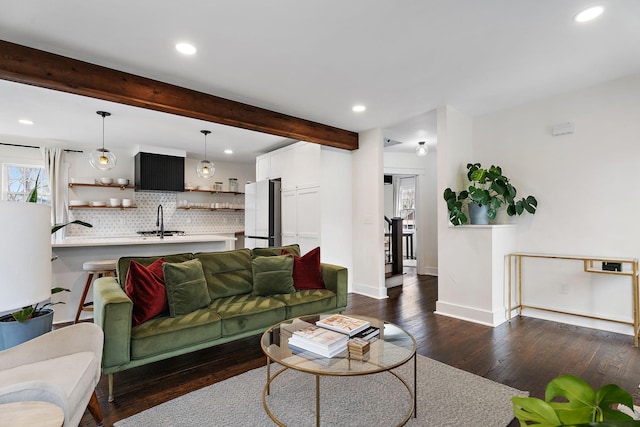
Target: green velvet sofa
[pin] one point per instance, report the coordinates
(234, 311)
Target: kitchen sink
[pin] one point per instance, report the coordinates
(157, 233)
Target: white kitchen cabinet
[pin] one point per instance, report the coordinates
(316, 202)
(263, 167)
(301, 217)
(301, 166)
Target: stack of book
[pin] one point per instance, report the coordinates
(358, 349)
(321, 341)
(343, 324)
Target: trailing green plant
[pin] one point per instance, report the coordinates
(579, 405)
(487, 187)
(36, 309)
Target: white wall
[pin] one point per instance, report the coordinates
(586, 184)
(368, 222)
(336, 209)
(425, 168)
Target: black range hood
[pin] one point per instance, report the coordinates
(159, 172)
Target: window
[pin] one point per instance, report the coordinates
(407, 202)
(19, 180)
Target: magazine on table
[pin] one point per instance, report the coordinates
(304, 348)
(343, 324)
(320, 337)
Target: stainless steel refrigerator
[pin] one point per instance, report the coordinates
(262, 214)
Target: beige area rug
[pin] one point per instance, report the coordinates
(446, 397)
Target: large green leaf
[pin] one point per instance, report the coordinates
(449, 194)
(499, 186)
(612, 394)
(491, 213)
(576, 390)
(479, 175)
(24, 314)
(536, 411)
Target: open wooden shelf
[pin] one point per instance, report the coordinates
(121, 187)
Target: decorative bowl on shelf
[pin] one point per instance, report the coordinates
(127, 203)
(106, 181)
(204, 187)
(98, 204)
(122, 181)
(78, 203)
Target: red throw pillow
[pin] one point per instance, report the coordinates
(306, 270)
(145, 287)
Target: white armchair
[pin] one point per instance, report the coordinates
(61, 367)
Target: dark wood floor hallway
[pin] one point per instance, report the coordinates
(525, 353)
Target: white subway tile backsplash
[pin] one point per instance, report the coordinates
(118, 222)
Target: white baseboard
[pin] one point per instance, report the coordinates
(470, 314)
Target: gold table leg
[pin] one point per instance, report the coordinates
(317, 400)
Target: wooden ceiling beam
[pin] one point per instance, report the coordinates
(44, 69)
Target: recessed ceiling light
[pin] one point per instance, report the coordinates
(186, 48)
(26, 122)
(359, 108)
(228, 151)
(589, 14)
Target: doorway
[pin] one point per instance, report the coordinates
(400, 201)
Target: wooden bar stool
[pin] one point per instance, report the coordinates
(94, 268)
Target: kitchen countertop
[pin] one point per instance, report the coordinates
(138, 240)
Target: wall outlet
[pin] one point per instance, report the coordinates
(564, 288)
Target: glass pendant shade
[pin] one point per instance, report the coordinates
(421, 149)
(205, 168)
(102, 159)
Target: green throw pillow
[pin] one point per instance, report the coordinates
(276, 250)
(186, 287)
(273, 275)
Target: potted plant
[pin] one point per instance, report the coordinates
(579, 405)
(488, 190)
(33, 320)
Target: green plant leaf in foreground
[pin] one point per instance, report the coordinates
(580, 405)
(535, 410)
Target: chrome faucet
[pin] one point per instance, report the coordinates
(160, 221)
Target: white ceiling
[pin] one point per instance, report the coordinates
(313, 59)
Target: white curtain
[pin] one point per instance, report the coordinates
(53, 167)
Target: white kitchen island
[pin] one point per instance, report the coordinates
(72, 252)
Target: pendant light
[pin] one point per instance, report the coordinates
(205, 168)
(102, 159)
(421, 149)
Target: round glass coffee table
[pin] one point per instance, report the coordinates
(392, 348)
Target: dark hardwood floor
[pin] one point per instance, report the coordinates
(525, 353)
